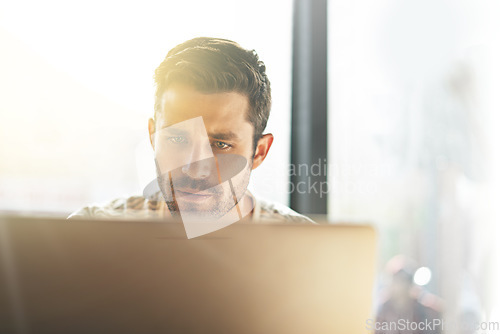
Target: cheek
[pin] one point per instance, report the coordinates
(248, 155)
(243, 150)
(240, 181)
(247, 151)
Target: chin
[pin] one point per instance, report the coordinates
(216, 208)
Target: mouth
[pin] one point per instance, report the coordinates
(191, 195)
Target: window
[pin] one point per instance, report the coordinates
(412, 137)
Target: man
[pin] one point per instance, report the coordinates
(212, 104)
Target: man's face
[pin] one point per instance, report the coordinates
(200, 139)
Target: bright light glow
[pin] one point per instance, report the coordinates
(77, 84)
(495, 315)
(422, 276)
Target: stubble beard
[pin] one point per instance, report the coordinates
(222, 201)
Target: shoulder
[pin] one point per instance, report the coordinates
(271, 211)
(133, 207)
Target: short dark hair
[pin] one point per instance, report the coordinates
(214, 65)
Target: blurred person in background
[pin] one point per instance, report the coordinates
(405, 304)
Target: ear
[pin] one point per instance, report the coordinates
(263, 146)
(151, 129)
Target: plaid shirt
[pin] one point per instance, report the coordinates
(140, 207)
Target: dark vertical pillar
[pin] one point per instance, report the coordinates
(309, 107)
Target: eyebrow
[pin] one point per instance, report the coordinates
(224, 135)
(174, 131)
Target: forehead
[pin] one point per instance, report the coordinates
(227, 110)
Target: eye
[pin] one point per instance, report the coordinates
(220, 145)
(177, 139)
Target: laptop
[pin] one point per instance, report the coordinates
(90, 276)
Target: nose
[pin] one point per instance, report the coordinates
(198, 166)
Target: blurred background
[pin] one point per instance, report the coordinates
(410, 101)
